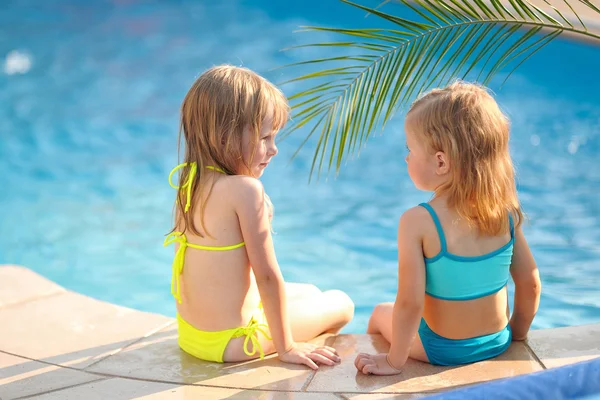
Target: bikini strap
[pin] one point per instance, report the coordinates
(190, 179)
(251, 332)
(178, 261)
(217, 169)
(512, 226)
(188, 182)
(438, 226)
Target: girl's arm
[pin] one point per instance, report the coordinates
(527, 287)
(256, 230)
(408, 307)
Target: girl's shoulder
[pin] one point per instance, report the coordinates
(415, 214)
(414, 218)
(238, 183)
(240, 189)
(418, 221)
(243, 185)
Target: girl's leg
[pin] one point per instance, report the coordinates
(311, 313)
(317, 313)
(381, 322)
(300, 290)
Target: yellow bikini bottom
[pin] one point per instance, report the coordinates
(210, 346)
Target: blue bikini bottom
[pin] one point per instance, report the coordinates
(443, 351)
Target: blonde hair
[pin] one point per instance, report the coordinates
(223, 102)
(464, 121)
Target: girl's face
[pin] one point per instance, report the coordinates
(426, 169)
(264, 150)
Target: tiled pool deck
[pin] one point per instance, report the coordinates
(57, 344)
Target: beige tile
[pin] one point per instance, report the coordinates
(197, 392)
(263, 395)
(122, 389)
(241, 394)
(417, 376)
(114, 389)
(586, 13)
(7, 361)
(19, 284)
(71, 329)
(22, 377)
(382, 396)
(160, 358)
(561, 346)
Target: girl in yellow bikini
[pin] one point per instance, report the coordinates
(232, 302)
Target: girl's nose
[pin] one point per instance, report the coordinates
(273, 150)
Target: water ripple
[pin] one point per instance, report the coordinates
(88, 137)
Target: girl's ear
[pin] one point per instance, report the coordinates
(442, 163)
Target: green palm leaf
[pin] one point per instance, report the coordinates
(384, 69)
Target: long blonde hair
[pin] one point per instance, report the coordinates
(464, 121)
(221, 103)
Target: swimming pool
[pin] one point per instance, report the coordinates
(88, 123)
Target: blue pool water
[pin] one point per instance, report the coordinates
(89, 97)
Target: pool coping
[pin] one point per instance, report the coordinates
(55, 343)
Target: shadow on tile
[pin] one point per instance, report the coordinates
(27, 378)
(159, 358)
(69, 328)
(78, 360)
(383, 396)
(125, 389)
(24, 377)
(417, 377)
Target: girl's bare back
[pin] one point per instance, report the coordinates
(487, 314)
(218, 288)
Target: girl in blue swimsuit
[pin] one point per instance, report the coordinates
(456, 252)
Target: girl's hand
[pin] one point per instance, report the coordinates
(376, 364)
(310, 354)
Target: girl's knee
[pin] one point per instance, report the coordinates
(342, 303)
(384, 307)
(297, 290)
(312, 289)
(380, 313)
(382, 310)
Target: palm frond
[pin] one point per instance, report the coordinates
(381, 69)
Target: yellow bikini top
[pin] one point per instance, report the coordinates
(179, 237)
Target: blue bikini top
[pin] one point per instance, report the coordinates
(452, 277)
